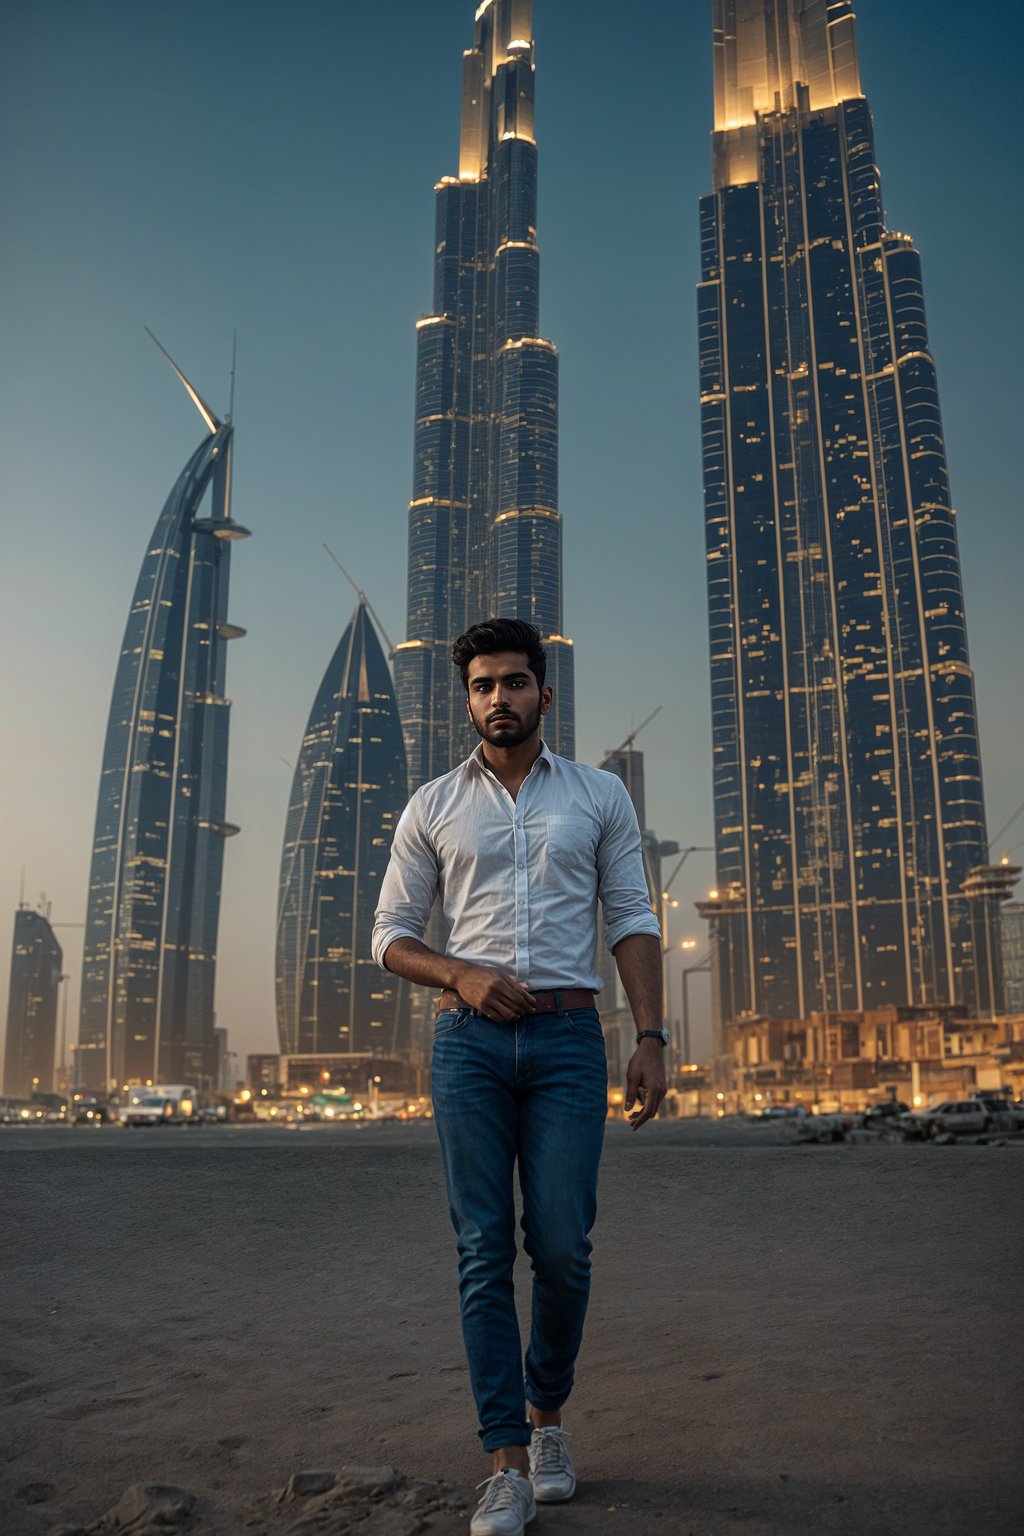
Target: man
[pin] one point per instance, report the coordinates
(519, 845)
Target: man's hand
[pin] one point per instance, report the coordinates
(494, 993)
(646, 1081)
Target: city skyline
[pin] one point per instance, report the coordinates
(848, 792)
(324, 382)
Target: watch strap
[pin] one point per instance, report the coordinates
(652, 1034)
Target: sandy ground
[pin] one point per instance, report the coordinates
(781, 1338)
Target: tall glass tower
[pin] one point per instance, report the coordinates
(347, 795)
(36, 961)
(485, 535)
(154, 885)
(847, 778)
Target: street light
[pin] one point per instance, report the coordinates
(703, 964)
(664, 904)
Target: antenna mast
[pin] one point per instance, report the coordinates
(363, 599)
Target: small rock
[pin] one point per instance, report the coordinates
(34, 1493)
(302, 1484)
(148, 1504)
(368, 1481)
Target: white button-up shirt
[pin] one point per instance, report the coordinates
(519, 880)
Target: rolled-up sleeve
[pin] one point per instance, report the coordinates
(622, 887)
(410, 885)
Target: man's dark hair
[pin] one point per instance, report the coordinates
(495, 635)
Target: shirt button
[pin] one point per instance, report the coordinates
(520, 866)
(522, 903)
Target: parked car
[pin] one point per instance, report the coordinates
(155, 1109)
(90, 1112)
(961, 1117)
(1004, 1115)
(877, 1116)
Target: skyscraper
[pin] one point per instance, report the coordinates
(36, 960)
(154, 885)
(348, 792)
(847, 778)
(484, 527)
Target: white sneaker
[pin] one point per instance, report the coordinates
(551, 1470)
(507, 1506)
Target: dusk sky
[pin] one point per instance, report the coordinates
(266, 167)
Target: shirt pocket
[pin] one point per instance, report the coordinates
(571, 841)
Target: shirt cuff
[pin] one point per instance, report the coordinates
(624, 928)
(385, 934)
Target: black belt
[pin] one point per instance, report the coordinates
(545, 1002)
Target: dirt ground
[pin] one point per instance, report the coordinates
(781, 1339)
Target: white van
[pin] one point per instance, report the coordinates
(160, 1104)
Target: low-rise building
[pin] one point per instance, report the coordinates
(846, 1059)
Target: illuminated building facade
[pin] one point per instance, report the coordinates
(1013, 956)
(847, 777)
(150, 954)
(348, 792)
(484, 528)
(36, 961)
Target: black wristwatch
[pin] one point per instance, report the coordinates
(652, 1034)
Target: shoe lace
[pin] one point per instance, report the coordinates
(502, 1492)
(551, 1450)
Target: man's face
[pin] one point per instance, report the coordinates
(505, 703)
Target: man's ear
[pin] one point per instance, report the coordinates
(546, 700)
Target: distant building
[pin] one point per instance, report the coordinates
(362, 1075)
(847, 779)
(262, 1070)
(150, 953)
(226, 1076)
(348, 792)
(846, 1058)
(1013, 956)
(36, 961)
(485, 534)
(627, 764)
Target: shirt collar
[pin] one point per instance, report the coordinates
(476, 758)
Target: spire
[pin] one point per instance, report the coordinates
(197, 400)
(503, 37)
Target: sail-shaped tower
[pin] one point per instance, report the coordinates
(348, 792)
(150, 956)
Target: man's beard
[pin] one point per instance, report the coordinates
(509, 732)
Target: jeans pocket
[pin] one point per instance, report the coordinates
(585, 1022)
(449, 1020)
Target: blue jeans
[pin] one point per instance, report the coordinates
(534, 1092)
